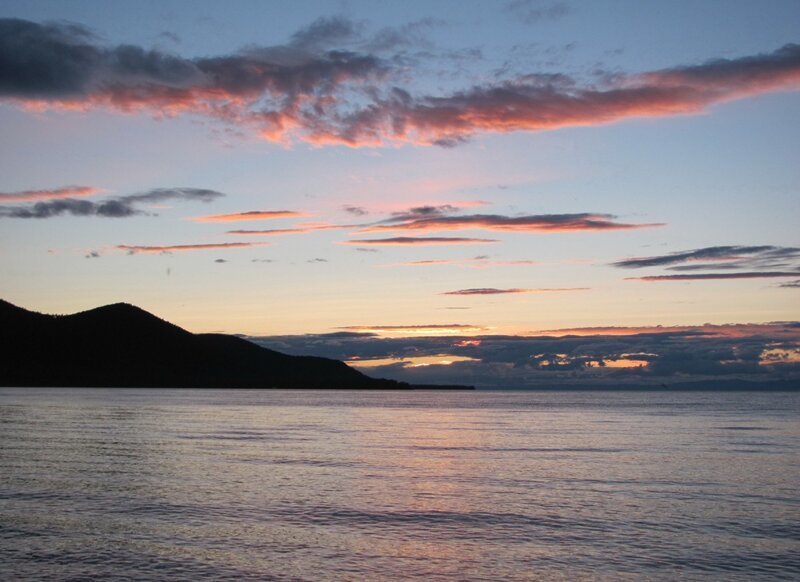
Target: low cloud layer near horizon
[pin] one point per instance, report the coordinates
(605, 357)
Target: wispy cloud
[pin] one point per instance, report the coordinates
(441, 221)
(710, 276)
(52, 194)
(736, 256)
(779, 330)
(720, 263)
(136, 249)
(299, 229)
(430, 240)
(494, 291)
(307, 90)
(535, 11)
(791, 284)
(118, 207)
(249, 215)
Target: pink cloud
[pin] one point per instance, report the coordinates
(250, 215)
(54, 194)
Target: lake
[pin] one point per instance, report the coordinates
(311, 485)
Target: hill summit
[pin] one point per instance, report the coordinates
(121, 345)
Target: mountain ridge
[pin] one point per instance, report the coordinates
(122, 345)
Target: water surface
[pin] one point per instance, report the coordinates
(294, 485)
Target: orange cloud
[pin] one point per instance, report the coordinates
(431, 240)
(429, 329)
(135, 249)
(542, 104)
(250, 215)
(54, 194)
(494, 291)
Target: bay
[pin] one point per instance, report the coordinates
(351, 485)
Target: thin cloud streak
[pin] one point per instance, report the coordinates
(427, 329)
(712, 276)
(299, 229)
(777, 330)
(431, 240)
(136, 249)
(250, 215)
(494, 222)
(737, 255)
(494, 291)
(54, 194)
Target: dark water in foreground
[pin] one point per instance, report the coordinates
(202, 485)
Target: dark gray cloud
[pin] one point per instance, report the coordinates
(654, 356)
(736, 257)
(712, 276)
(417, 212)
(62, 63)
(355, 210)
(720, 263)
(791, 284)
(119, 207)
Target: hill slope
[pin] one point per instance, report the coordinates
(121, 345)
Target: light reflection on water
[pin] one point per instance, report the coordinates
(200, 484)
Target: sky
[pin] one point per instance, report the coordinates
(427, 190)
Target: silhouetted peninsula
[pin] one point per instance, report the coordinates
(122, 345)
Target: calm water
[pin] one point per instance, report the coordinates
(195, 485)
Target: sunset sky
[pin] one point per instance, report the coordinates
(327, 173)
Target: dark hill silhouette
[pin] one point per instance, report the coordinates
(121, 345)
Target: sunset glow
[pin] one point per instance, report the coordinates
(490, 181)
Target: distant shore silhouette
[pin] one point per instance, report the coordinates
(121, 345)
